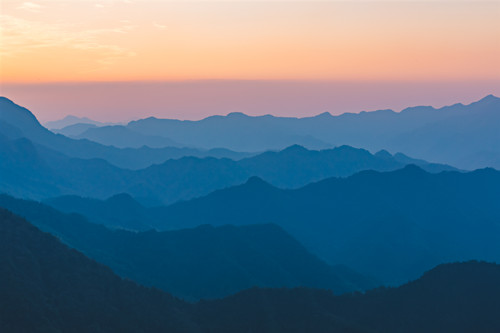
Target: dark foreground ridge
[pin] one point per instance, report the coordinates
(47, 287)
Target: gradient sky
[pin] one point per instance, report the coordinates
(433, 45)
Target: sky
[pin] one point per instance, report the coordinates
(126, 59)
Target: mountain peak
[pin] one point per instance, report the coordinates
(324, 115)
(17, 115)
(256, 181)
(350, 149)
(236, 115)
(294, 148)
(4, 99)
(383, 154)
(420, 108)
(489, 98)
(412, 169)
(72, 117)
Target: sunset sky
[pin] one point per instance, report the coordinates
(426, 44)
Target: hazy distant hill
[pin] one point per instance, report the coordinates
(390, 225)
(190, 177)
(236, 130)
(195, 263)
(466, 136)
(17, 122)
(122, 137)
(296, 166)
(175, 179)
(73, 130)
(71, 120)
(47, 287)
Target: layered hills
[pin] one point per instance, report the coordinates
(252, 224)
(391, 225)
(62, 166)
(45, 286)
(204, 262)
(465, 136)
(18, 122)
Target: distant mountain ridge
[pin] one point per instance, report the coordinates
(127, 137)
(73, 130)
(291, 168)
(71, 120)
(465, 136)
(175, 179)
(122, 137)
(17, 122)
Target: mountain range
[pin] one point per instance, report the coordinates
(121, 137)
(47, 287)
(204, 262)
(389, 225)
(74, 129)
(71, 120)
(34, 171)
(465, 136)
(410, 219)
(190, 177)
(252, 224)
(41, 164)
(17, 122)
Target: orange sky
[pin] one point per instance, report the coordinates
(128, 40)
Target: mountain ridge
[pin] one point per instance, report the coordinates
(425, 132)
(183, 178)
(201, 262)
(409, 218)
(45, 286)
(465, 136)
(18, 117)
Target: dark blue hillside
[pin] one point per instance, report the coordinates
(391, 225)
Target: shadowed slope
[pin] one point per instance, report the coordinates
(204, 262)
(390, 225)
(47, 287)
(460, 297)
